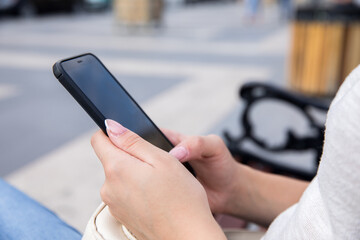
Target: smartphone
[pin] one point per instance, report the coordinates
(103, 97)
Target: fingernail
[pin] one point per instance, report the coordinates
(114, 128)
(179, 152)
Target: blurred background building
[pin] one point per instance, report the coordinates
(182, 60)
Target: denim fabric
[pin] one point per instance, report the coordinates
(22, 218)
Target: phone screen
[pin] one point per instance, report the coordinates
(110, 98)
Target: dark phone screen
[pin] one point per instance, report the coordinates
(111, 100)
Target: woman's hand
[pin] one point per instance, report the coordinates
(233, 188)
(215, 168)
(150, 191)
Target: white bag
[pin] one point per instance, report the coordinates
(103, 226)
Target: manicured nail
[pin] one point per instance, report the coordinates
(114, 128)
(179, 152)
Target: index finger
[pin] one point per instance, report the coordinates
(106, 151)
(132, 143)
(114, 160)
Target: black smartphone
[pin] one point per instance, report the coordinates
(98, 92)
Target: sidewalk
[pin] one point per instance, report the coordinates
(205, 55)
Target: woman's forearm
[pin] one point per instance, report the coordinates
(260, 197)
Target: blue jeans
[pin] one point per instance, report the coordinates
(22, 218)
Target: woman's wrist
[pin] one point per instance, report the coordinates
(246, 199)
(206, 229)
(199, 226)
(259, 197)
(238, 197)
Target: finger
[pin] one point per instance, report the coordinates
(198, 148)
(102, 146)
(111, 157)
(174, 137)
(131, 143)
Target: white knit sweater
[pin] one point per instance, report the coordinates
(330, 206)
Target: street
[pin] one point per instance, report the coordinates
(185, 74)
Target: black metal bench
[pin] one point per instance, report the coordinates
(252, 93)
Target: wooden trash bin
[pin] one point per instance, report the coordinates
(325, 48)
(138, 12)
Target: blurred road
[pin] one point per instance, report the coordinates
(185, 74)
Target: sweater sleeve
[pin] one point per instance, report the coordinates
(330, 206)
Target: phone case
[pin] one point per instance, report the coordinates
(75, 91)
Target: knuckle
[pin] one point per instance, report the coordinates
(108, 169)
(104, 194)
(93, 140)
(106, 160)
(111, 170)
(131, 142)
(219, 146)
(216, 139)
(197, 141)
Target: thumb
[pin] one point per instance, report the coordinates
(174, 137)
(198, 148)
(132, 143)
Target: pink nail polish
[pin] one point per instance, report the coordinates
(179, 152)
(114, 128)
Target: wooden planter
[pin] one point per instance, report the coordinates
(138, 12)
(325, 48)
